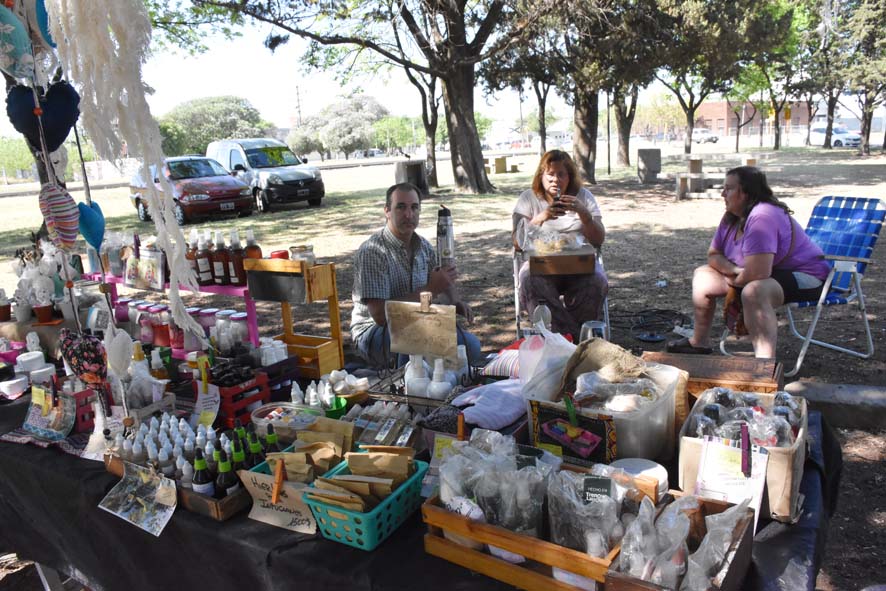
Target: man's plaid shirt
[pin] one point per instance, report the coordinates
(383, 271)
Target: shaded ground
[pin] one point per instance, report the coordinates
(650, 237)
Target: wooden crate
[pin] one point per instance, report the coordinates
(734, 567)
(580, 262)
(219, 510)
(533, 575)
(316, 355)
(745, 374)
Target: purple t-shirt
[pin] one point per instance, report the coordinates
(768, 231)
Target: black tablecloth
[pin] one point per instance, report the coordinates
(49, 513)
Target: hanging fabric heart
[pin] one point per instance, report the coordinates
(85, 355)
(92, 224)
(15, 46)
(60, 112)
(61, 214)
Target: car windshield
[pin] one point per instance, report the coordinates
(841, 131)
(271, 156)
(194, 169)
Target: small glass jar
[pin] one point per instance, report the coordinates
(176, 334)
(240, 328)
(304, 253)
(121, 310)
(192, 340)
(223, 321)
(207, 319)
(160, 324)
(145, 327)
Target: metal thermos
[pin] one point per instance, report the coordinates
(445, 238)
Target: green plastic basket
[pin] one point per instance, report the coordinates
(367, 530)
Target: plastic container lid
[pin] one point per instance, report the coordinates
(42, 375)
(31, 360)
(158, 308)
(237, 317)
(209, 312)
(641, 467)
(288, 418)
(144, 307)
(224, 314)
(193, 311)
(124, 301)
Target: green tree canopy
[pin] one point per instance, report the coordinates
(305, 138)
(193, 124)
(347, 124)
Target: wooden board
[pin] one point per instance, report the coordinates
(565, 263)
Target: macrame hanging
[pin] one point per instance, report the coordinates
(102, 46)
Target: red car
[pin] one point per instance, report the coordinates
(201, 188)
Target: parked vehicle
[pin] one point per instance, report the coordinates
(201, 188)
(840, 137)
(271, 170)
(702, 135)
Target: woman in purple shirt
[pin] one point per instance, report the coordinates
(760, 250)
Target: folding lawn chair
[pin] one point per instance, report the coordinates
(519, 259)
(846, 229)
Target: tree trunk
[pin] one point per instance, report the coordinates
(867, 116)
(833, 97)
(541, 97)
(883, 147)
(467, 155)
(431, 158)
(776, 129)
(690, 125)
(810, 113)
(585, 113)
(624, 120)
(738, 126)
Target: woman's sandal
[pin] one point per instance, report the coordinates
(684, 346)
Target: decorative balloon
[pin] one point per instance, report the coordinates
(61, 214)
(92, 224)
(59, 112)
(15, 46)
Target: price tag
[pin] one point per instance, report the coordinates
(441, 443)
(596, 488)
(206, 407)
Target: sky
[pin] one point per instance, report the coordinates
(275, 82)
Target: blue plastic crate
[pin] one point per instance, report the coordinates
(367, 530)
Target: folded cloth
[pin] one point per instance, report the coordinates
(495, 405)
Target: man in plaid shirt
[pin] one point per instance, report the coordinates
(395, 263)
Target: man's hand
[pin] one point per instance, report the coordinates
(464, 309)
(442, 279)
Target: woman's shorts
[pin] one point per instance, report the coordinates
(797, 286)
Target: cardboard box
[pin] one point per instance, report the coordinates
(783, 471)
(581, 261)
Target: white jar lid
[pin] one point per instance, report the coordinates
(643, 467)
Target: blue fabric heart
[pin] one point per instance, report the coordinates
(60, 112)
(92, 224)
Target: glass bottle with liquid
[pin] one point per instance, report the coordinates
(191, 255)
(221, 259)
(202, 481)
(237, 272)
(204, 263)
(253, 250)
(226, 483)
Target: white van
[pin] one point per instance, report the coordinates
(269, 167)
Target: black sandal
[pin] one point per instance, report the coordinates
(684, 346)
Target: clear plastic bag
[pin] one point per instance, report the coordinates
(542, 364)
(706, 560)
(640, 543)
(571, 518)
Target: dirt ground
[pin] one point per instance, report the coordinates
(650, 238)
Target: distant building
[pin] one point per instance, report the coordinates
(720, 118)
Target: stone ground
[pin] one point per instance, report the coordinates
(650, 237)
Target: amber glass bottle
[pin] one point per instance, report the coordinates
(253, 250)
(238, 273)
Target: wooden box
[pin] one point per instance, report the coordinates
(533, 575)
(734, 567)
(316, 355)
(745, 374)
(220, 510)
(571, 262)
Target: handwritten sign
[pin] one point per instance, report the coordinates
(206, 407)
(290, 512)
(414, 332)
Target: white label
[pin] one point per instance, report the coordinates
(219, 270)
(203, 265)
(385, 429)
(231, 490)
(404, 436)
(207, 488)
(232, 271)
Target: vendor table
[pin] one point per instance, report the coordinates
(49, 513)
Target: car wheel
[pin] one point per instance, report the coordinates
(142, 211)
(246, 213)
(179, 214)
(262, 203)
(838, 144)
(314, 202)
